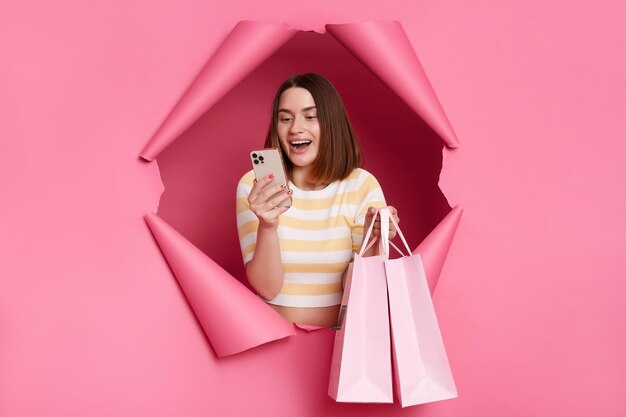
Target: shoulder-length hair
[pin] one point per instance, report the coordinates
(339, 150)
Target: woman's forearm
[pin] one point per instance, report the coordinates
(265, 270)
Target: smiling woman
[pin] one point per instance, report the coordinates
(296, 257)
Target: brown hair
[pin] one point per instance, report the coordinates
(339, 151)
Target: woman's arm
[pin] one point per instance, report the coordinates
(265, 270)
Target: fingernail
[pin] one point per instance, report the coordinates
(271, 176)
(283, 186)
(289, 192)
(255, 181)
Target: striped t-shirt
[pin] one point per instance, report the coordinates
(318, 235)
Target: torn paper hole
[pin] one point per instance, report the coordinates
(202, 154)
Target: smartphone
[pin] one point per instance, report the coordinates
(268, 161)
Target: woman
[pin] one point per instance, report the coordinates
(296, 257)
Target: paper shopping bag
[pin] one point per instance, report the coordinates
(361, 363)
(421, 369)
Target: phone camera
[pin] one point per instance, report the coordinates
(254, 155)
(256, 162)
(261, 158)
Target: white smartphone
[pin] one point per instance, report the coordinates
(270, 161)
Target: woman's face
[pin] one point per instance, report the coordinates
(298, 126)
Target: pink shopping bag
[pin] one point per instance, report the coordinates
(421, 369)
(361, 363)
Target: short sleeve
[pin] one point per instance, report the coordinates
(368, 194)
(247, 221)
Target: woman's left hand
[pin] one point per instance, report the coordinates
(376, 231)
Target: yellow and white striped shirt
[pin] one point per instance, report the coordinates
(318, 235)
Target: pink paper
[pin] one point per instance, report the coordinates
(232, 317)
(309, 327)
(92, 320)
(434, 249)
(249, 44)
(385, 49)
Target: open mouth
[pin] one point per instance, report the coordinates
(300, 145)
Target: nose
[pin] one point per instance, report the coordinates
(296, 126)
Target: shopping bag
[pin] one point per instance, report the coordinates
(361, 362)
(420, 365)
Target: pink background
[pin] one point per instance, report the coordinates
(530, 301)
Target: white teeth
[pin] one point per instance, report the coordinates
(300, 142)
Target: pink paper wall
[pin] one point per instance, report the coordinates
(530, 301)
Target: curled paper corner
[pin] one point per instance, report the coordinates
(232, 317)
(382, 46)
(435, 247)
(146, 157)
(248, 45)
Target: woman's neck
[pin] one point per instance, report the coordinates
(300, 179)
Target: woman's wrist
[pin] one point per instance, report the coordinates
(267, 227)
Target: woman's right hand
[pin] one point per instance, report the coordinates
(263, 205)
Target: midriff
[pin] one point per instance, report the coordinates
(317, 316)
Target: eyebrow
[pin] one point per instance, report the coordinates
(289, 111)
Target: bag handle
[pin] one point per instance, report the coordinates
(384, 228)
(385, 216)
(390, 242)
(364, 248)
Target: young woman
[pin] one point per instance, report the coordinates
(296, 258)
